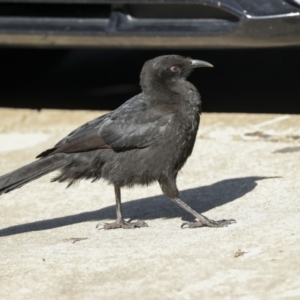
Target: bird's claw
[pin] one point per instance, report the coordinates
(209, 223)
(121, 224)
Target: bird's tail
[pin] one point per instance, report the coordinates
(32, 171)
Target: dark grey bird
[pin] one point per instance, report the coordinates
(147, 139)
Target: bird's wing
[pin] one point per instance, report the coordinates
(84, 138)
(135, 124)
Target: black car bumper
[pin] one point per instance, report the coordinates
(202, 23)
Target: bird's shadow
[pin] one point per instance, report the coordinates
(200, 199)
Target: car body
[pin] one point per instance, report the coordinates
(150, 23)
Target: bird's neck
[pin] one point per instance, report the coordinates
(155, 88)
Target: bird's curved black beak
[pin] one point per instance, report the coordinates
(195, 63)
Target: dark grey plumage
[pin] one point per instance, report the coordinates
(147, 139)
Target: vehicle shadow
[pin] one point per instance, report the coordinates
(200, 199)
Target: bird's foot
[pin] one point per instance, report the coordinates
(122, 224)
(208, 222)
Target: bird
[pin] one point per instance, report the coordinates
(147, 139)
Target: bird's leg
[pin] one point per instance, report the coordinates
(169, 188)
(120, 222)
(202, 220)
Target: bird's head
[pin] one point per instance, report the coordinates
(168, 69)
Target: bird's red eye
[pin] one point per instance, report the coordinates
(174, 69)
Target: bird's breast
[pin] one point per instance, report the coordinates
(179, 137)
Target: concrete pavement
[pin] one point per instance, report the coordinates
(244, 166)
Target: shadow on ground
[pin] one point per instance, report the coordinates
(200, 199)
